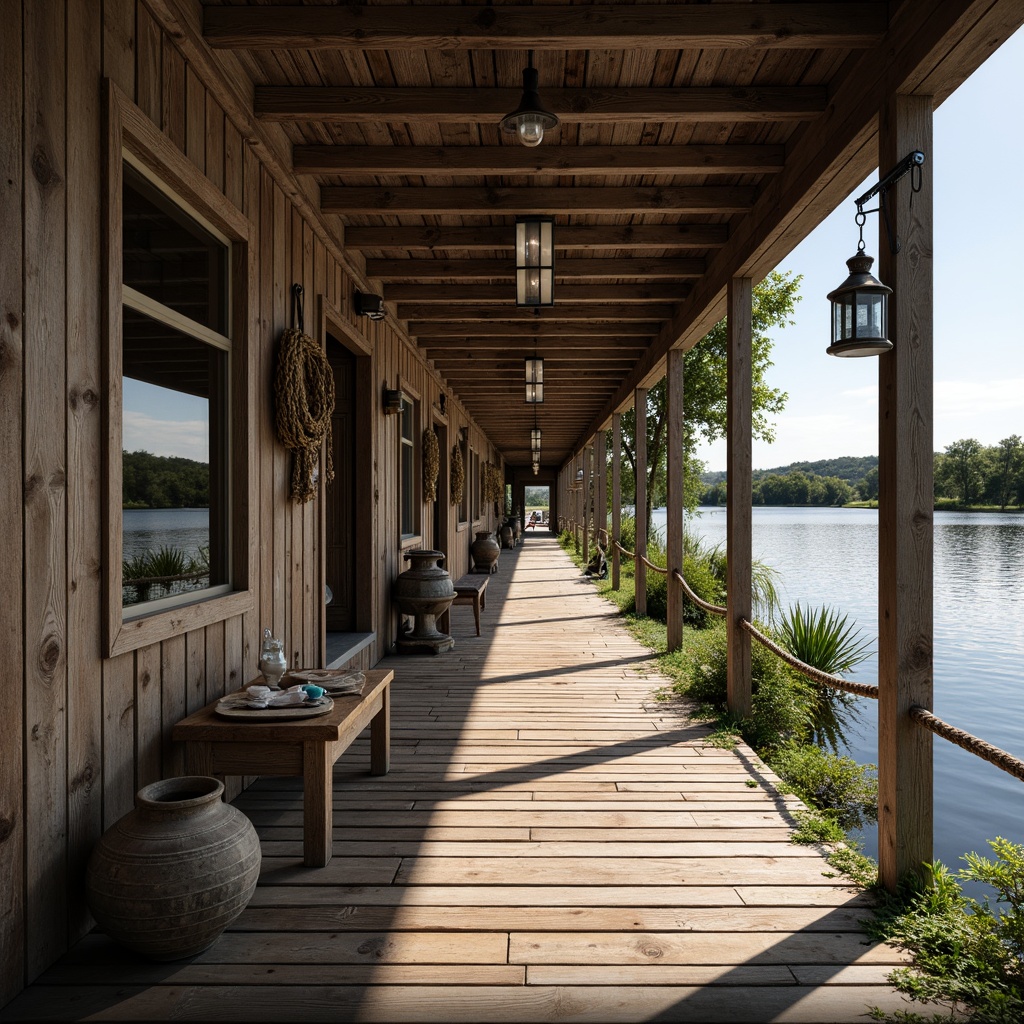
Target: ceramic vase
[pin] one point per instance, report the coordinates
(167, 878)
(425, 591)
(485, 551)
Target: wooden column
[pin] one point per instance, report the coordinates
(739, 494)
(616, 495)
(674, 496)
(588, 522)
(600, 490)
(905, 503)
(640, 407)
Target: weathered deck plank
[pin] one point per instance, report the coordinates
(552, 844)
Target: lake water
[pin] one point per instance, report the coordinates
(149, 529)
(830, 556)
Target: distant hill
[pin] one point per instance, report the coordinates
(850, 468)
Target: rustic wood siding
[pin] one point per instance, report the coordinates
(83, 733)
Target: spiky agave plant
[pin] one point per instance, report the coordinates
(827, 640)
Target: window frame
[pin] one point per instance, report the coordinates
(414, 539)
(132, 138)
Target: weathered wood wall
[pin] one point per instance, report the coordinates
(83, 733)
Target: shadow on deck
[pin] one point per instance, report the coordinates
(552, 844)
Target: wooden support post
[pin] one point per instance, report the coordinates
(616, 495)
(905, 503)
(739, 494)
(600, 490)
(588, 521)
(640, 408)
(674, 496)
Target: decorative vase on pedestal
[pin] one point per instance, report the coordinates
(170, 876)
(485, 551)
(425, 591)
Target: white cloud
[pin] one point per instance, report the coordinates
(188, 439)
(978, 398)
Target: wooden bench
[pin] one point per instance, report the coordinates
(307, 747)
(469, 590)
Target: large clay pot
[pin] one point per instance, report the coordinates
(506, 536)
(485, 551)
(425, 591)
(171, 875)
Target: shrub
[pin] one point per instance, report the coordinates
(833, 783)
(780, 699)
(964, 953)
(824, 639)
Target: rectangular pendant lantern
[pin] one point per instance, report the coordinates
(535, 380)
(535, 440)
(535, 261)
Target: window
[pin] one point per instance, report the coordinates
(474, 486)
(409, 498)
(175, 365)
(466, 478)
(178, 486)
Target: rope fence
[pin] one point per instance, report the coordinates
(712, 609)
(825, 678)
(920, 716)
(986, 751)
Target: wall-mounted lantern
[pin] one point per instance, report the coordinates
(371, 306)
(394, 401)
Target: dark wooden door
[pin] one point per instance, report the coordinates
(341, 525)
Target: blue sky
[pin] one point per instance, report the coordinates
(977, 168)
(164, 422)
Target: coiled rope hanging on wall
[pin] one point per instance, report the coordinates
(304, 393)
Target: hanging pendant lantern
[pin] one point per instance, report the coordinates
(534, 380)
(860, 312)
(529, 120)
(535, 261)
(535, 441)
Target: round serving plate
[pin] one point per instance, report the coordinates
(322, 707)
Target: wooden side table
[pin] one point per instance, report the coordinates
(307, 747)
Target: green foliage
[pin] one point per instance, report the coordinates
(156, 481)
(824, 639)
(843, 790)
(780, 701)
(173, 566)
(704, 397)
(814, 828)
(849, 468)
(966, 955)
(169, 561)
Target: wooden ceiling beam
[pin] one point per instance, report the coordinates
(719, 26)
(557, 352)
(373, 200)
(494, 332)
(612, 312)
(567, 236)
(475, 269)
(505, 293)
(504, 364)
(480, 160)
(369, 105)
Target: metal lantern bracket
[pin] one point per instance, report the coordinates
(910, 164)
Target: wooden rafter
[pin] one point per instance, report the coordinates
(505, 293)
(497, 331)
(598, 269)
(558, 27)
(610, 312)
(567, 236)
(469, 200)
(480, 160)
(339, 105)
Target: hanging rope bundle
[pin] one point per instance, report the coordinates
(304, 392)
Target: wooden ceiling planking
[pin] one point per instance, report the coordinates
(544, 28)
(686, 130)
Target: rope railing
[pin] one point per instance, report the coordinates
(986, 751)
(641, 558)
(825, 678)
(920, 716)
(712, 609)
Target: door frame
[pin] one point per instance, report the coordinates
(330, 321)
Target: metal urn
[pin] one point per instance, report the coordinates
(425, 591)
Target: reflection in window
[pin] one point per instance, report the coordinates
(409, 504)
(175, 363)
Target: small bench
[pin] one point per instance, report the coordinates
(471, 590)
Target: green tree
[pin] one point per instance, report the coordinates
(1009, 462)
(962, 469)
(704, 394)
(868, 485)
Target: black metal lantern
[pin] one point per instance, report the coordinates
(535, 441)
(860, 312)
(535, 261)
(534, 380)
(529, 120)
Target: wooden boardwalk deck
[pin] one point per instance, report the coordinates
(551, 845)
